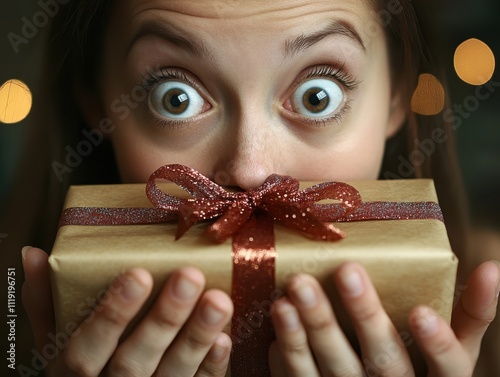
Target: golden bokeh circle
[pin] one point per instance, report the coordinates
(429, 97)
(474, 62)
(15, 101)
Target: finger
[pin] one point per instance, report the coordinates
(142, 351)
(444, 355)
(477, 307)
(276, 361)
(197, 337)
(292, 340)
(93, 343)
(331, 348)
(37, 295)
(217, 360)
(381, 347)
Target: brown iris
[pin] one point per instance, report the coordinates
(176, 101)
(315, 100)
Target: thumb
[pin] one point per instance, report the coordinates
(477, 306)
(37, 295)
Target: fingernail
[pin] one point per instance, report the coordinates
(352, 284)
(184, 289)
(24, 251)
(426, 323)
(289, 317)
(498, 282)
(128, 287)
(305, 294)
(210, 315)
(218, 350)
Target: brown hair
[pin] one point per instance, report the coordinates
(414, 43)
(72, 62)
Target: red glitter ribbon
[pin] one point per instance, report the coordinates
(248, 218)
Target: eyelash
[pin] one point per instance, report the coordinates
(152, 78)
(338, 74)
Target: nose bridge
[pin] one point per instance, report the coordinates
(251, 124)
(252, 158)
(251, 144)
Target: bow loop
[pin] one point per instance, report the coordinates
(279, 196)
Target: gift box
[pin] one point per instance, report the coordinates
(409, 261)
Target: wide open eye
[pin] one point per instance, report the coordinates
(317, 98)
(176, 100)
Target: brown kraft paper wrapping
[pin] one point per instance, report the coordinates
(409, 261)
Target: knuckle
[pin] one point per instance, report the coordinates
(212, 369)
(401, 370)
(347, 373)
(485, 322)
(321, 322)
(367, 313)
(398, 369)
(79, 366)
(167, 317)
(196, 341)
(349, 370)
(443, 346)
(115, 316)
(167, 320)
(124, 368)
(295, 348)
(481, 321)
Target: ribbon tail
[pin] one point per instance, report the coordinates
(253, 292)
(233, 219)
(305, 222)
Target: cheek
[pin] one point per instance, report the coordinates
(370, 124)
(135, 160)
(358, 158)
(138, 156)
(366, 159)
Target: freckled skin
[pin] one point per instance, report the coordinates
(249, 131)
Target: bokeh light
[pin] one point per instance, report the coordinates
(15, 101)
(429, 97)
(474, 62)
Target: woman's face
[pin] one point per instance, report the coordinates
(241, 89)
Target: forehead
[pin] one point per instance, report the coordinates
(240, 8)
(274, 13)
(246, 21)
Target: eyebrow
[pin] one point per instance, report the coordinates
(188, 41)
(303, 42)
(176, 36)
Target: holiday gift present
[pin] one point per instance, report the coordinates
(249, 243)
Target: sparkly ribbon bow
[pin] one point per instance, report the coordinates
(279, 196)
